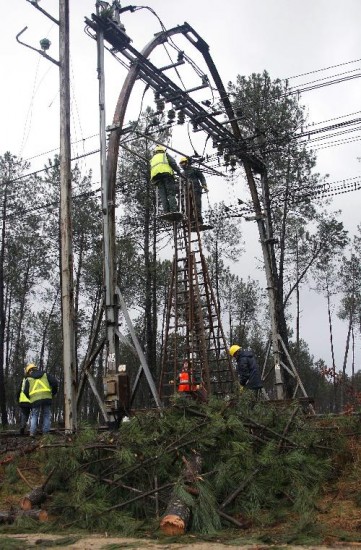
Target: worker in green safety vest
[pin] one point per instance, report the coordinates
(162, 168)
(39, 388)
(24, 404)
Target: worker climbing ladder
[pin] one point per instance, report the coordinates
(193, 333)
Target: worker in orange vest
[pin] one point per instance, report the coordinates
(185, 378)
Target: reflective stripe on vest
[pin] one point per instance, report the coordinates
(22, 396)
(159, 165)
(39, 388)
(184, 381)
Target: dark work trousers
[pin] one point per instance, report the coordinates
(24, 417)
(167, 192)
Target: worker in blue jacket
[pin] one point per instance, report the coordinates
(247, 368)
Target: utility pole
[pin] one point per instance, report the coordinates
(66, 255)
(67, 286)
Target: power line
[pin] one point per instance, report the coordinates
(49, 167)
(324, 69)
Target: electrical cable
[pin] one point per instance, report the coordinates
(49, 167)
(324, 69)
(30, 110)
(323, 79)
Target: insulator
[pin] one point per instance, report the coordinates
(45, 44)
(227, 158)
(171, 114)
(156, 95)
(233, 162)
(180, 117)
(180, 56)
(194, 125)
(160, 104)
(220, 150)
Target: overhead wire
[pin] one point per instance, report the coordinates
(323, 69)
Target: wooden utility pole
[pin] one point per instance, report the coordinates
(66, 259)
(67, 286)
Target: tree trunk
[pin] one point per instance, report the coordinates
(347, 347)
(330, 328)
(3, 407)
(17, 358)
(34, 498)
(8, 332)
(153, 359)
(10, 517)
(45, 332)
(76, 300)
(176, 516)
(148, 278)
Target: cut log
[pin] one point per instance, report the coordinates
(176, 516)
(40, 515)
(34, 498)
(175, 524)
(10, 517)
(37, 495)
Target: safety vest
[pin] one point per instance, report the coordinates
(159, 165)
(39, 388)
(184, 381)
(22, 397)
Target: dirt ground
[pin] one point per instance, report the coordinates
(96, 542)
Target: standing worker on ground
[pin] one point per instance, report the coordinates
(247, 368)
(196, 178)
(162, 168)
(40, 388)
(24, 403)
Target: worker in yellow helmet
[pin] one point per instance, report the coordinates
(195, 178)
(247, 368)
(162, 168)
(40, 388)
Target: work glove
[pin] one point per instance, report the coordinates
(205, 189)
(241, 389)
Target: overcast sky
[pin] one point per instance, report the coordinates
(285, 37)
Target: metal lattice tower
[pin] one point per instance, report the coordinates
(193, 329)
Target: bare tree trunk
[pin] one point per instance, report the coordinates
(9, 335)
(10, 517)
(45, 332)
(332, 347)
(76, 300)
(153, 360)
(176, 517)
(17, 360)
(347, 347)
(3, 407)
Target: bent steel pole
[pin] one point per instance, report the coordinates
(203, 47)
(108, 207)
(109, 170)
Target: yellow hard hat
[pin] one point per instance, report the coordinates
(160, 148)
(29, 367)
(233, 349)
(184, 160)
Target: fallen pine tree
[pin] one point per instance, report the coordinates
(258, 462)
